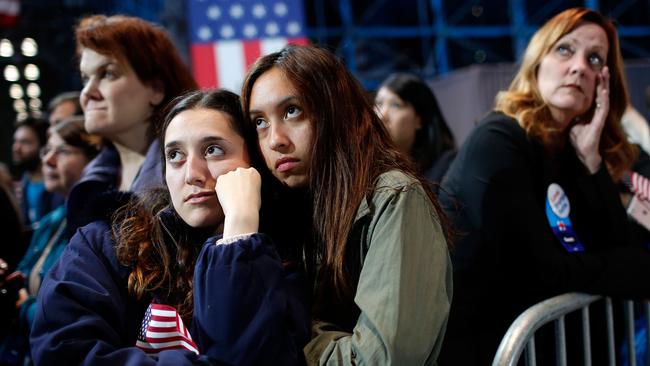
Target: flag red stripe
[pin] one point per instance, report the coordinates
(169, 339)
(8, 20)
(163, 318)
(204, 65)
(299, 41)
(251, 52)
(151, 328)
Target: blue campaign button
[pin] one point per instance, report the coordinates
(558, 208)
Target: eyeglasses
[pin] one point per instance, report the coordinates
(61, 150)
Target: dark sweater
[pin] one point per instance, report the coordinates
(247, 308)
(507, 258)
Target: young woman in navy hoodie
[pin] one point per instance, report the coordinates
(147, 287)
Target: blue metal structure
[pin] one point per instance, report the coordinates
(451, 34)
(374, 37)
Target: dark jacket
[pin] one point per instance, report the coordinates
(100, 179)
(247, 309)
(439, 168)
(507, 257)
(14, 242)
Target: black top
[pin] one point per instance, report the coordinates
(507, 257)
(439, 168)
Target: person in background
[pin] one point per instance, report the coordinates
(377, 247)
(636, 128)
(11, 225)
(130, 70)
(533, 190)
(68, 150)
(62, 106)
(35, 202)
(413, 118)
(189, 253)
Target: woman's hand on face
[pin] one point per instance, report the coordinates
(585, 136)
(240, 198)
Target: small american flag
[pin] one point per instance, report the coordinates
(162, 329)
(638, 184)
(227, 36)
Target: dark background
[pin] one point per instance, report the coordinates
(433, 38)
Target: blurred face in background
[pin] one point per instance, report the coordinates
(25, 148)
(399, 117)
(62, 164)
(62, 111)
(114, 100)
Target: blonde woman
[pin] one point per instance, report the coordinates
(533, 189)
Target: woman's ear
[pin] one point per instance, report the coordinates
(158, 93)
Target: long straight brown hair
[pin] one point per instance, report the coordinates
(350, 148)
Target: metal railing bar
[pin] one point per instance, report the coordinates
(609, 315)
(531, 358)
(646, 308)
(528, 322)
(560, 342)
(586, 336)
(628, 314)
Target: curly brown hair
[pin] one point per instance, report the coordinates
(151, 237)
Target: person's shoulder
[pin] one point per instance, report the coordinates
(498, 123)
(54, 216)
(393, 184)
(96, 232)
(96, 240)
(395, 180)
(496, 133)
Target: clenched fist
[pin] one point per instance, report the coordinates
(239, 195)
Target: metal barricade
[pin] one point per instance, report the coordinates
(521, 334)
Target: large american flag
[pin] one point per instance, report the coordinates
(227, 36)
(162, 329)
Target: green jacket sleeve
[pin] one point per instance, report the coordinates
(404, 290)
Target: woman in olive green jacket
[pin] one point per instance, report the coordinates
(377, 241)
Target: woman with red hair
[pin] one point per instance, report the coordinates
(130, 70)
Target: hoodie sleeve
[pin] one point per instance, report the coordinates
(248, 308)
(84, 315)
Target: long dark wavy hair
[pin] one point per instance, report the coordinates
(434, 137)
(151, 237)
(350, 149)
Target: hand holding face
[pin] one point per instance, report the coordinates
(585, 137)
(240, 198)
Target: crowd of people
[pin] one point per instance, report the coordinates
(303, 222)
